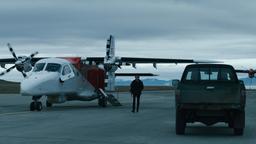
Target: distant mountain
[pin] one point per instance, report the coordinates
(249, 81)
(157, 82)
(5, 82)
(147, 82)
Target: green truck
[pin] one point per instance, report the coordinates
(210, 93)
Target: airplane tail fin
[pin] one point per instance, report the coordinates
(110, 50)
(109, 64)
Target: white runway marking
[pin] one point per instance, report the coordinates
(14, 113)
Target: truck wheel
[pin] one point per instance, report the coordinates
(239, 122)
(180, 122)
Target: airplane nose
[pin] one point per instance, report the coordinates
(26, 89)
(38, 85)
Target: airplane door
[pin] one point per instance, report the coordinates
(66, 73)
(67, 79)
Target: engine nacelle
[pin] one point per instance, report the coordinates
(251, 73)
(22, 63)
(27, 67)
(110, 67)
(23, 66)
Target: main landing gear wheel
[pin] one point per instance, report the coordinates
(36, 106)
(102, 102)
(48, 104)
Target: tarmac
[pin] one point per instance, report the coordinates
(78, 122)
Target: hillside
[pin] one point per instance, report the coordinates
(9, 87)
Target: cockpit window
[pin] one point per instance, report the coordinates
(53, 67)
(39, 67)
(66, 70)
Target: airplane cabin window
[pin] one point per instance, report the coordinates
(53, 67)
(66, 70)
(39, 67)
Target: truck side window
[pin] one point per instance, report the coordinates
(192, 74)
(204, 73)
(226, 75)
(214, 72)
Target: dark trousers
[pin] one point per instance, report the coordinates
(136, 98)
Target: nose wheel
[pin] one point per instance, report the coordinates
(102, 102)
(48, 104)
(36, 105)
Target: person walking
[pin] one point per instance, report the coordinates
(136, 88)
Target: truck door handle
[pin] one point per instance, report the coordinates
(210, 87)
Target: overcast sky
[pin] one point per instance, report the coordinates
(197, 29)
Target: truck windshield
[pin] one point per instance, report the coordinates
(39, 67)
(224, 74)
(53, 67)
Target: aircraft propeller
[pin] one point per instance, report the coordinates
(22, 63)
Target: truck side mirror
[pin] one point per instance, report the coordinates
(175, 83)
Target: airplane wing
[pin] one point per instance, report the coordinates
(7, 61)
(132, 60)
(154, 60)
(242, 71)
(4, 61)
(250, 72)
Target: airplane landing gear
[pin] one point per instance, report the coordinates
(102, 101)
(48, 104)
(36, 105)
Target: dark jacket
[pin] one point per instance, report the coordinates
(136, 87)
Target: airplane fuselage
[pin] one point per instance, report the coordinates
(57, 79)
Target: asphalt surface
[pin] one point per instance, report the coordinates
(85, 122)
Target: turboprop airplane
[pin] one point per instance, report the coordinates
(74, 78)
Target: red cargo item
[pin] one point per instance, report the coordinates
(76, 61)
(96, 77)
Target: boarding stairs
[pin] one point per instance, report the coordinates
(110, 98)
